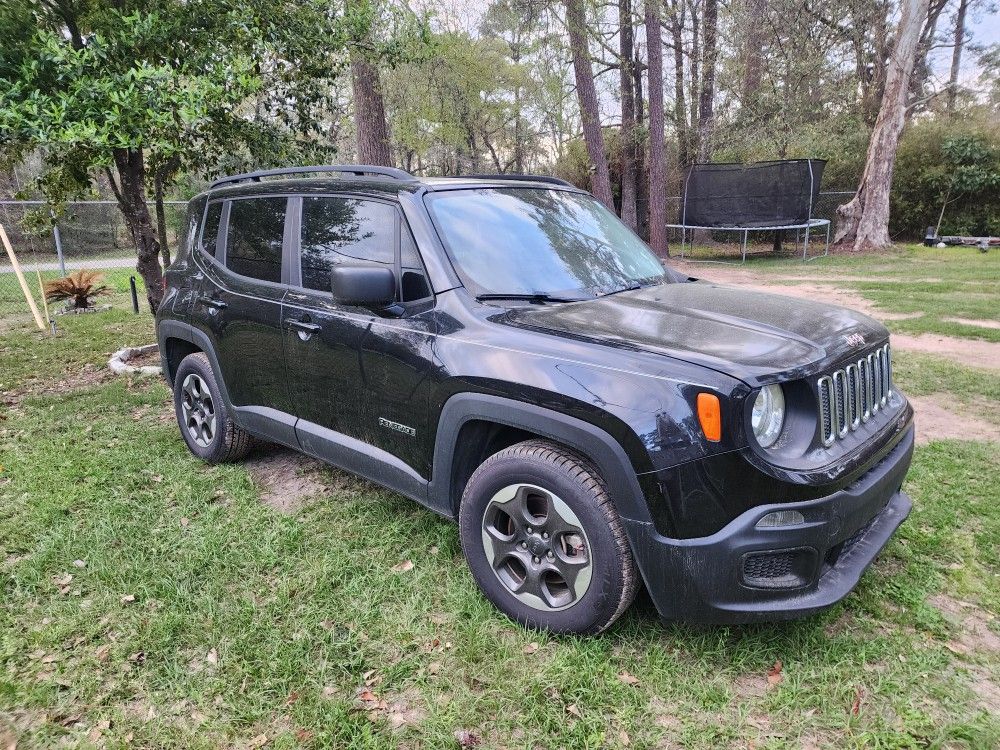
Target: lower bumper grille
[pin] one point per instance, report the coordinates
(779, 569)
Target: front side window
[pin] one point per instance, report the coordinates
(344, 230)
(540, 241)
(254, 237)
(413, 284)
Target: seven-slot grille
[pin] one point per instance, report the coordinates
(854, 394)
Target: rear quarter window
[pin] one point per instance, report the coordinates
(210, 229)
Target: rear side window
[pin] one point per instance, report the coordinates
(210, 232)
(254, 237)
(344, 230)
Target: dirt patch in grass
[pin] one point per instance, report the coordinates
(973, 624)
(986, 689)
(968, 352)
(286, 478)
(995, 324)
(936, 420)
(88, 376)
(149, 359)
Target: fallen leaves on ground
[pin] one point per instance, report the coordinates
(859, 694)
(465, 738)
(774, 674)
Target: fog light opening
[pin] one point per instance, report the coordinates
(781, 518)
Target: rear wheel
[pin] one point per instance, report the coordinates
(543, 540)
(204, 421)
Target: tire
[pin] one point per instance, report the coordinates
(202, 417)
(534, 519)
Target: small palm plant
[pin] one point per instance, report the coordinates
(78, 289)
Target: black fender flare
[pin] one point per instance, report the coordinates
(586, 438)
(176, 329)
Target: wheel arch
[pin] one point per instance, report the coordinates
(471, 424)
(177, 340)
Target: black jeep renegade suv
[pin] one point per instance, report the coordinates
(505, 352)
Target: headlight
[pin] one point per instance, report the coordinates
(768, 415)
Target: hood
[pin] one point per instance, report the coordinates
(754, 336)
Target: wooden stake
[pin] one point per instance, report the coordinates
(41, 292)
(20, 279)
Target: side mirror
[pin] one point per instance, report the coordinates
(363, 286)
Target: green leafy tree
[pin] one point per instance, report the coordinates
(139, 92)
(948, 172)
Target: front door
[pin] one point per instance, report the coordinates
(355, 372)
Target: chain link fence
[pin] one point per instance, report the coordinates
(90, 235)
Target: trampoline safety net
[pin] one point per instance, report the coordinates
(772, 193)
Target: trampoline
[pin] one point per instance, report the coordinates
(771, 196)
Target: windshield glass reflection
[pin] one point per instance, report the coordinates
(540, 241)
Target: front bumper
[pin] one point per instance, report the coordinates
(747, 574)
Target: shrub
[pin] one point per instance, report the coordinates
(79, 289)
(949, 162)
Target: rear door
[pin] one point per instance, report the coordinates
(240, 305)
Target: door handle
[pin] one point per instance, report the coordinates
(218, 304)
(305, 326)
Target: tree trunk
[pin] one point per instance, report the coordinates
(626, 44)
(956, 55)
(370, 127)
(680, 110)
(922, 66)
(640, 113)
(600, 180)
(657, 155)
(161, 219)
(865, 219)
(706, 103)
(695, 76)
(130, 191)
(753, 51)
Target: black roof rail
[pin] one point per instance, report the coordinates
(358, 170)
(518, 177)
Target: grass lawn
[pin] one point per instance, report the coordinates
(149, 600)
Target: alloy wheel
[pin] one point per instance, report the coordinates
(198, 410)
(537, 547)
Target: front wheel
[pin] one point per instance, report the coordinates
(204, 421)
(544, 542)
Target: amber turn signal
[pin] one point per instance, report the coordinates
(710, 416)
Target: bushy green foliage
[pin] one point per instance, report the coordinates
(955, 160)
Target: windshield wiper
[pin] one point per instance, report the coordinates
(632, 286)
(531, 297)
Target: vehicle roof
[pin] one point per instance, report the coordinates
(374, 185)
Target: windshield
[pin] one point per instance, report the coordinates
(534, 241)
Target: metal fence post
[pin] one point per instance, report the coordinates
(59, 252)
